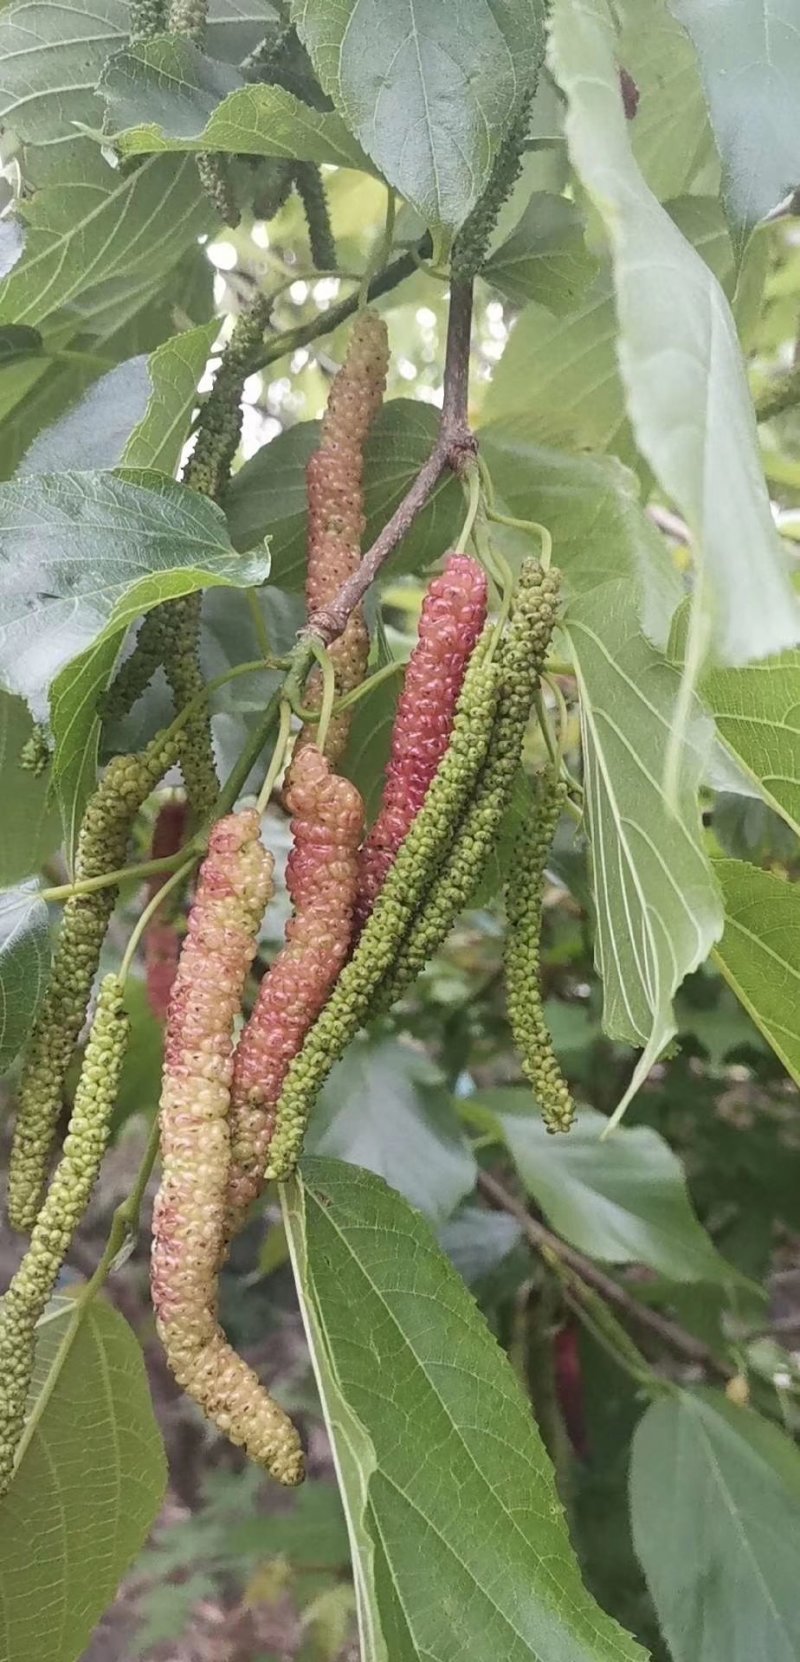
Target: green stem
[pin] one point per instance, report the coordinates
(323, 718)
(237, 778)
(473, 488)
(381, 252)
(347, 700)
(278, 756)
(105, 879)
(150, 910)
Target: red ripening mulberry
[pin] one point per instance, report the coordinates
(321, 877)
(453, 615)
(162, 942)
(336, 504)
(234, 885)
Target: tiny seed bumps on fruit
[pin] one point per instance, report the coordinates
(234, 884)
(321, 878)
(522, 958)
(453, 615)
(102, 848)
(334, 479)
(64, 1205)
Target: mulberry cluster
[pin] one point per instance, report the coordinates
(453, 615)
(523, 990)
(102, 847)
(233, 888)
(162, 941)
(336, 504)
(418, 860)
(63, 1208)
(321, 877)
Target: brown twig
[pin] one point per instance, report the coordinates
(675, 1338)
(455, 446)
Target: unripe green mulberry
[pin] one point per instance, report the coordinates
(181, 636)
(66, 1201)
(234, 884)
(523, 989)
(409, 881)
(102, 847)
(214, 174)
(334, 478)
(521, 659)
(35, 756)
(321, 877)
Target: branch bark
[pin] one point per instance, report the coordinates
(542, 1239)
(454, 448)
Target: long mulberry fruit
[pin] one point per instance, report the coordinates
(321, 877)
(414, 871)
(453, 615)
(234, 885)
(64, 1206)
(102, 847)
(523, 990)
(334, 479)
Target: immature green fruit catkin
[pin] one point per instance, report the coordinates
(418, 860)
(334, 479)
(234, 884)
(321, 877)
(102, 847)
(66, 1201)
(520, 660)
(522, 965)
(311, 191)
(214, 175)
(35, 756)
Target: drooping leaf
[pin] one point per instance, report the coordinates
(29, 831)
(749, 56)
(686, 387)
(757, 712)
(88, 1486)
(657, 908)
(164, 94)
(268, 494)
(24, 965)
(385, 1108)
(427, 90)
(558, 383)
(759, 953)
(545, 258)
(622, 1200)
(477, 1240)
(174, 370)
(715, 1509)
(471, 1557)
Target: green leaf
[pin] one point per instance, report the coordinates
(81, 556)
(24, 966)
(621, 1199)
(268, 494)
(164, 94)
(88, 1486)
(686, 386)
(427, 90)
(557, 382)
(545, 258)
(385, 1108)
(479, 1564)
(593, 511)
(757, 712)
(174, 369)
(671, 134)
(657, 909)
(88, 224)
(759, 953)
(42, 106)
(94, 432)
(477, 1240)
(18, 342)
(749, 53)
(715, 1510)
(29, 831)
(369, 742)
